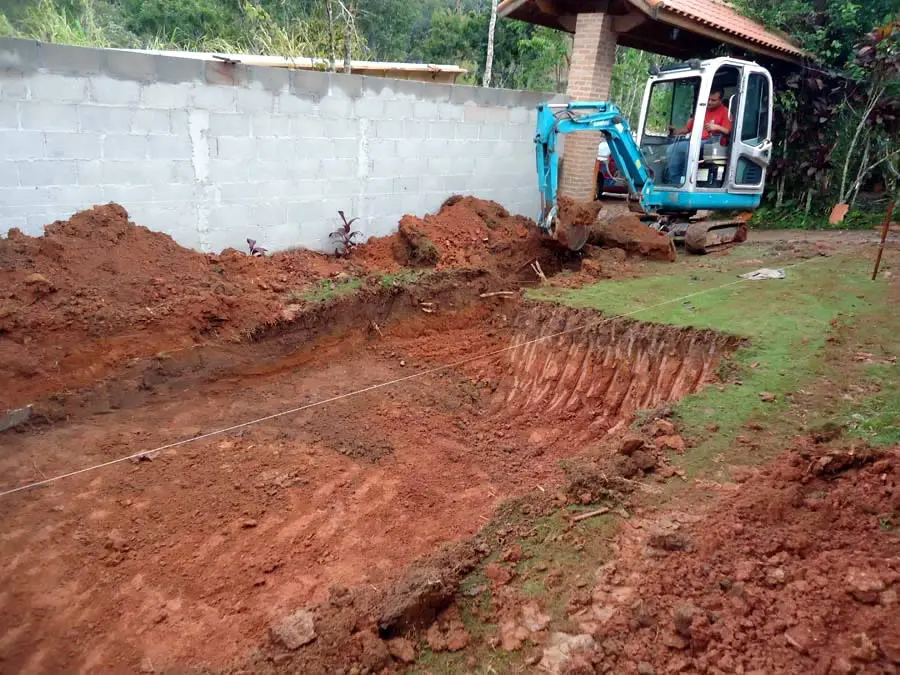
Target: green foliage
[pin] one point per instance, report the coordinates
(188, 20)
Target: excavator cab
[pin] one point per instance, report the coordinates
(677, 172)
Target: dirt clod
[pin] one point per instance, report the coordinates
(629, 233)
(296, 630)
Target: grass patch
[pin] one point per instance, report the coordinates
(877, 418)
(786, 323)
(401, 278)
(325, 290)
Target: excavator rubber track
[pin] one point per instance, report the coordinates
(705, 236)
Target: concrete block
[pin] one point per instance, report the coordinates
(517, 132)
(9, 175)
(382, 147)
(165, 96)
(48, 116)
(48, 172)
(307, 127)
(409, 184)
(229, 124)
(255, 100)
(519, 115)
(89, 172)
(272, 80)
(228, 170)
(170, 147)
(307, 213)
(178, 71)
(267, 149)
(439, 166)
(369, 106)
(430, 182)
(303, 168)
(289, 103)
(62, 88)
(441, 130)
(408, 148)
(130, 195)
(13, 87)
(450, 111)
(413, 129)
(309, 84)
(219, 73)
(342, 128)
(109, 91)
(181, 171)
(347, 148)
(65, 59)
(490, 132)
(345, 187)
(264, 124)
(430, 147)
(19, 55)
(346, 84)
(212, 98)
(104, 118)
(459, 183)
(466, 132)
(397, 110)
(271, 170)
(335, 107)
(390, 129)
(237, 147)
(131, 66)
(64, 145)
(151, 122)
(317, 148)
(425, 110)
(335, 167)
(179, 121)
(9, 115)
(379, 186)
(125, 146)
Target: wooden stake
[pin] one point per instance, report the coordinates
(884, 231)
(590, 514)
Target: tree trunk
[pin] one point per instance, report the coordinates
(332, 59)
(349, 11)
(489, 61)
(874, 97)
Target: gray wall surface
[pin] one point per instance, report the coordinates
(213, 153)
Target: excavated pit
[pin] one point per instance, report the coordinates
(207, 544)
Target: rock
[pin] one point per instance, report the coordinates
(767, 397)
(662, 427)
(801, 638)
(248, 523)
(512, 635)
(841, 666)
(670, 541)
(13, 418)
(744, 569)
(864, 649)
(498, 574)
(513, 554)
(35, 279)
(374, 654)
(563, 649)
(712, 427)
(863, 585)
(675, 641)
(888, 597)
(630, 444)
(675, 443)
(532, 617)
(776, 577)
(683, 618)
(644, 460)
(296, 630)
(457, 636)
(402, 650)
(645, 668)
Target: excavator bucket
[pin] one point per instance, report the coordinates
(572, 236)
(707, 235)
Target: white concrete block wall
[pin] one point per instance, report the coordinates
(215, 153)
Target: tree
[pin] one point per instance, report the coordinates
(489, 59)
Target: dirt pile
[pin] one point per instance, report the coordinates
(629, 233)
(796, 571)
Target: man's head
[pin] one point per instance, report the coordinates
(715, 99)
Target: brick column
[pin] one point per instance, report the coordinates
(590, 75)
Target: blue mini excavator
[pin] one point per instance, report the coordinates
(676, 182)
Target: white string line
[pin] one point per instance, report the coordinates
(381, 385)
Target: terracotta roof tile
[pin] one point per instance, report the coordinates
(721, 15)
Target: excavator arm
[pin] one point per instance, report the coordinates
(556, 119)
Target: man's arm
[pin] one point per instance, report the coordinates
(686, 129)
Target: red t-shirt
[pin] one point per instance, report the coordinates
(718, 116)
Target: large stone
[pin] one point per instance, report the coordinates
(296, 630)
(562, 649)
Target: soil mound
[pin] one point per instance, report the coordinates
(794, 572)
(629, 233)
(468, 233)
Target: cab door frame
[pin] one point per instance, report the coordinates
(761, 154)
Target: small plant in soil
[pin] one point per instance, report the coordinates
(345, 236)
(255, 251)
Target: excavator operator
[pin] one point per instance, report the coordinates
(716, 121)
